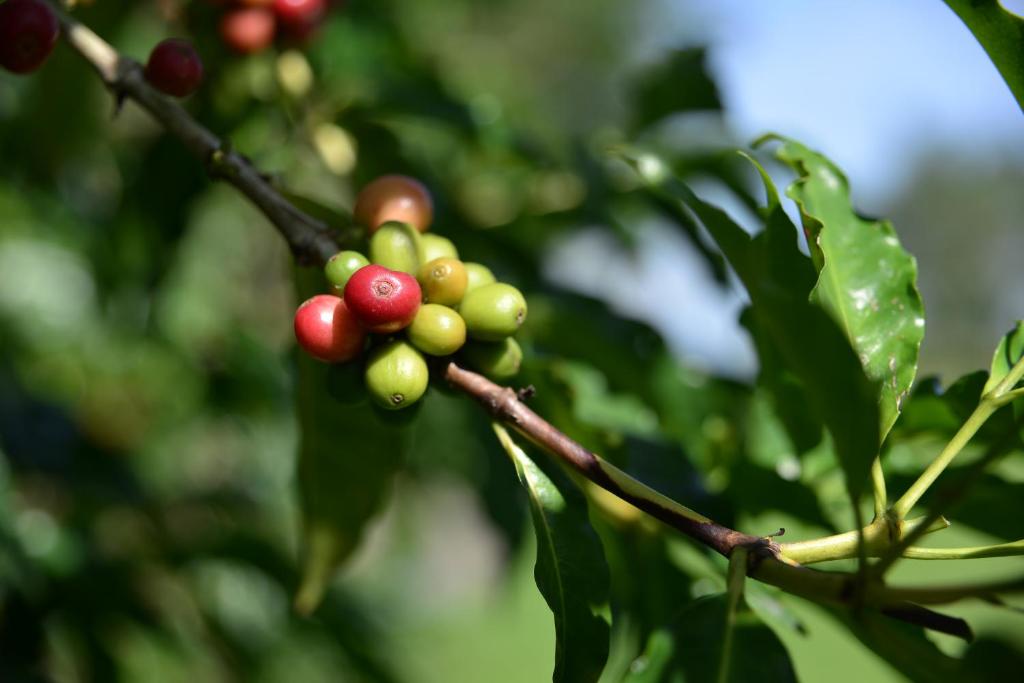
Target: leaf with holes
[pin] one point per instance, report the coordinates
(866, 280)
(803, 337)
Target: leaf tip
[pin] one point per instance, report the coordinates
(325, 549)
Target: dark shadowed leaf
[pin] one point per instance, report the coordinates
(932, 411)
(788, 397)
(902, 645)
(679, 84)
(989, 493)
(571, 572)
(653, 665)
(757, 654)
(992, 659)
(865, 278)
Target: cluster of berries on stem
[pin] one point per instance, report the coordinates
(411, 297)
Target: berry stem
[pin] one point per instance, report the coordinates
(990, 402)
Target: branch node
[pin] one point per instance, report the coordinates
(760, 549)
(218, 162)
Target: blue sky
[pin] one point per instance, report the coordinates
(870, 82)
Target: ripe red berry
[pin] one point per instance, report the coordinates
(394, 198)
(327, 330)
(28, 32)
(300, 17)
(174, 67)
(384, 300)
(248, 30)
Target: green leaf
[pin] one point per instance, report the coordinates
(1008, 353)
(755, 653)
(683, 398)
(680, 83)
(1001, 34)
(571, 572)
(803, 337)
(348, 455)
(595, 405)
(904, 646)
(653, 665)
(789, 398)
(992, 659)
(866, 280)
(940, 413)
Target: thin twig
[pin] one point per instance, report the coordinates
(504, 404)
(949, 497)
(310, 239)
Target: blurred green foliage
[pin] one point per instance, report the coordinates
(148, 510)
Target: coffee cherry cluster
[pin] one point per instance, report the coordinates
(28, 33)
(411, 297)
(250, 26)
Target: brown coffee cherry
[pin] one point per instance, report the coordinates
(394, 198)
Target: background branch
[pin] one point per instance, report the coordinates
(310, 239)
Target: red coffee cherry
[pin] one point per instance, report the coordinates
(394, 198)
(383, 300)
(327, 330)
(248, 30)
(174, 67)
(300, 17)
(28, 32)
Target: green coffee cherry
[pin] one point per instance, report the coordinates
(437, 330)
(396, 246)
(493, 312)
(340, 268)
(477, 275)
(396, 375)
(434, 246)
(497, 360)
(443, 281)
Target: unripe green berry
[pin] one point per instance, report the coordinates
(493, 312)
(477, 275)
(497, 360)
(396, 246)
(443, 281)
(437, 330)
(340, 268)
(396, 375)
(434, 246)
